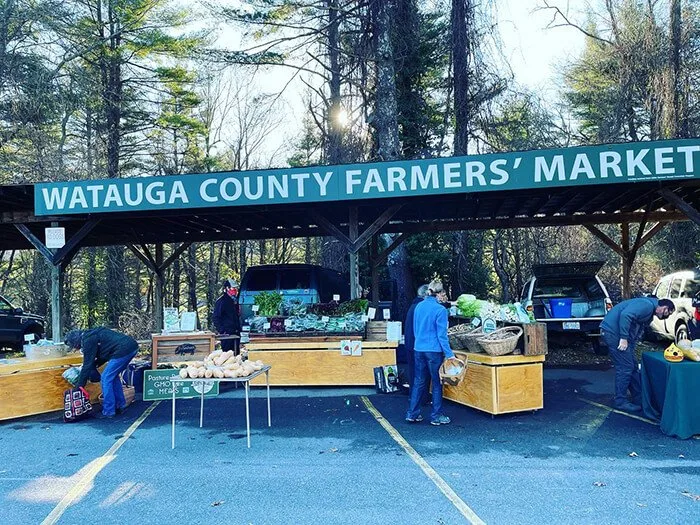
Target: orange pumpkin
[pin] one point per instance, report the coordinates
(673, 354)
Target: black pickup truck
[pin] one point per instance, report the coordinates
(15, 323)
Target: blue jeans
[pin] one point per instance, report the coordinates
(427, 368)
(627, 375)
(112, 392)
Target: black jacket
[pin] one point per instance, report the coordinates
(225, 317)
(99, 345)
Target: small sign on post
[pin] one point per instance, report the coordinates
(55, 237)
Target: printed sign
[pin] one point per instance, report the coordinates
(157, 385)
(55, 237)
(577, 166)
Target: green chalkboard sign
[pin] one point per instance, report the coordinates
(157, 385)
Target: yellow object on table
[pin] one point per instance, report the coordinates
(500, 384)
(29, 387)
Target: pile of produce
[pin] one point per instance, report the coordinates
(269, 303)
(470, 306)
(220, 364)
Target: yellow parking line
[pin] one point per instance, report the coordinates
(610, 409)
(81, 487)
(451, 495)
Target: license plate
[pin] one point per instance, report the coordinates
(573, 325)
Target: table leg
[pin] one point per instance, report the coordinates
(247, 413)
(201, 407)
(172, 445)
(267, 378)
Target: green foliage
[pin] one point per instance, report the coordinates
(269, 303)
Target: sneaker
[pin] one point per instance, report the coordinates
(441, 420)
(416, 419)
(629, 407)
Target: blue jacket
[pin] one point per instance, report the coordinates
(628, 319)
(430, 327)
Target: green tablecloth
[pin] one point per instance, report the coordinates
(671, 394)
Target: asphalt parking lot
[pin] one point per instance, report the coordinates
(346, 456)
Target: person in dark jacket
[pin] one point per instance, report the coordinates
(99, 346)
(409, 337)
(226, 317)
(621, 329)
(431, 347)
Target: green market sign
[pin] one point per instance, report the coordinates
(606, 164)
(158, 384)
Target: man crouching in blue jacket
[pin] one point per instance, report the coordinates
(99, 346)
(430, 347)
(622, 327)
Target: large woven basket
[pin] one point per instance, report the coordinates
(469, 339)
(501, 342)
(453, 335)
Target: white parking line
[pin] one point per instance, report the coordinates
(82, 486)
(606, 407)
(451, 495)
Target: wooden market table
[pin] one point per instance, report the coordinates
(35, 386)
(246, 382)
(317, 361)
(499, 385)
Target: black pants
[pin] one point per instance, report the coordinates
(231, 344)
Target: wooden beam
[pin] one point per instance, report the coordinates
(64, 255)
(678, 202)
(145, 260)
(35, 242)
(373, 228)
(606, 240)
(176, 253)
(331, 228)
(652, 231)
(384, 255)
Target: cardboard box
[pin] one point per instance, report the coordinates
(386, 379)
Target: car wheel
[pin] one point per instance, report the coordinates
(681, 333)
(598, 349)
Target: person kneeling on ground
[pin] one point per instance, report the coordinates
(99, 346)
(430, 347)
(620, 330)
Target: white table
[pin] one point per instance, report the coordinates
(246, 382)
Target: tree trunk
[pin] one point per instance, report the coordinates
(116, 285)
(677, 121)
(385, 115)
(192, 278)
(499, 257)
(91, 288)
(460, 21)
(176, 275)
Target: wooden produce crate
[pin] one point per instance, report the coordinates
(533, 340)
(499, 385)
(375, 331)
(315, 363)
(29, 387)
(165, 346)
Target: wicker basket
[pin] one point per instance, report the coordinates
(446, 375)
(502, 346)
(469, 339)
(453, 335)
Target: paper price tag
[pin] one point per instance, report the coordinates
(336, 297)
(365, 318)
(266, 326)
(245, 328)
(287, 322)
(256, 307)
(325, 319)
(371, 312)
(386, 313)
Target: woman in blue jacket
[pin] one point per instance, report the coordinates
(431, 347)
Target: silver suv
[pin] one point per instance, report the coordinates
(679, 287)
(570, 298)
